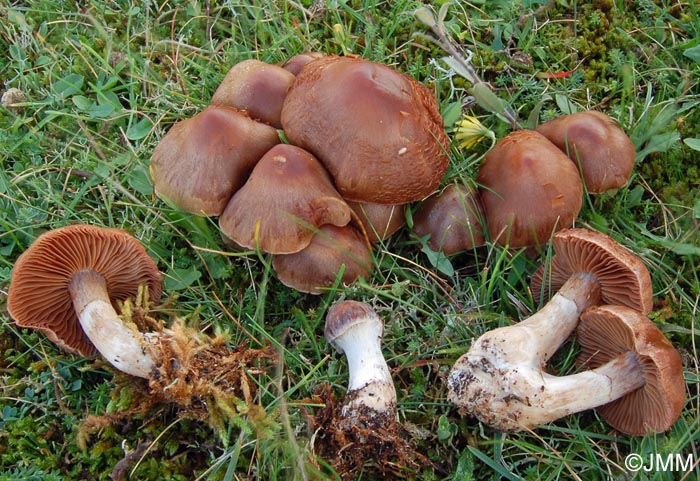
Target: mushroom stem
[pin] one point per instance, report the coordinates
(370, 381)
(123, 347)
(545, 331)
(355, 329)
(515, 397)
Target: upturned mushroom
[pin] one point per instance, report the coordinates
(203, 160)
(256, 87)
(288, 196)
(378, 132)
(609, 333)
(453, 219)
(67, 283)
(354, 329)
(602, 151)
(333, 251)
(529, 189)
(501, 378)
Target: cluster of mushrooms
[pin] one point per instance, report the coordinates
(362, 141)
(530, 185)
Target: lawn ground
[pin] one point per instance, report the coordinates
(92, 86)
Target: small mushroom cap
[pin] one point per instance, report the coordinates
(379, 221)
(605, 332)
(601, 149)
(39, 298)
(287, 197)
(529, 189)
(297, 62)
(453, 219)
(623, 277)
(256, 87)
(202, 161)
(377, 131)
(316, 267)
(344, 315)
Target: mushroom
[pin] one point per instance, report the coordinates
(288, 196)
(529, 189)
(202, 161)
(257, 88)
(453, 219)
(609, 333)
(379, 221)
(332, 250)
(501, 378)
(361, 433)
(295, 63)
(354, 329)
(603, 152)
(378, 132)
(67, 283)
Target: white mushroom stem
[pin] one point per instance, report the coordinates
(501, 378)
(121, 345)
(370, 386)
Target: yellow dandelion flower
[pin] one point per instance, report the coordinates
(469, 132)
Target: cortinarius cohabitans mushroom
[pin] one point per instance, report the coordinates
(378, 132)
(529, 189)
(286, 198)
(602, 151)
(203, 160)
(67, 282)
(608, 333)
(355, 329)
(501, 378)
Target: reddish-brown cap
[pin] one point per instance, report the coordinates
(379, 221)
(606, 332)
(256, 87)
(287, 197)
(317, 266)
(453, 219)
(623, 277)
(529, 189)
(297, 62)
(602, 150)
(201, 162)
(38, 296)
(377, 131)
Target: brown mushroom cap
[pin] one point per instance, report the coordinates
(317, 266)
(287, 197)
(295, 63)
(529, 189)
(379, 221)
(256, 87)
(606, 332)
(623, 277)
(344, 315)
(377, 131)
(453, 219)
(38, 296)
(601, 149)
(203, 160)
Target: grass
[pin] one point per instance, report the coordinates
(103, 81)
